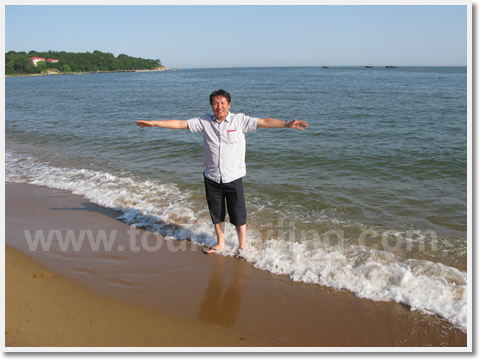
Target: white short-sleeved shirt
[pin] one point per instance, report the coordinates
(224, 144)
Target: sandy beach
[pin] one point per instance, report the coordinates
(155, 292)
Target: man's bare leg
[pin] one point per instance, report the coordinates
(220, 231)
(242, 236)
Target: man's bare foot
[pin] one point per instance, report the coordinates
(240, 254)
(210, 250)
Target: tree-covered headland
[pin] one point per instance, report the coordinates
(20, 63)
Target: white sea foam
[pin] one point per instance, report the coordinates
(374, 274)
(144, 203)
(379, 275)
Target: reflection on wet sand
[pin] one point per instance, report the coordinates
(221, 302)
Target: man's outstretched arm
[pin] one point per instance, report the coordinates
(277, 124)
(169, 124)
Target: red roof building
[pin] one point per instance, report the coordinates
(36, 59)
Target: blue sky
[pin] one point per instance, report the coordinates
(228, 36)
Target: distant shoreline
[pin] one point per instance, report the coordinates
(161, 68)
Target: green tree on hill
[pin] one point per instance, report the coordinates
(18, 62)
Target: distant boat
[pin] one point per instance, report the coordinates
(369, 67)
(324, 67)
(391, 67)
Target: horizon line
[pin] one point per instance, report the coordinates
(327, 66)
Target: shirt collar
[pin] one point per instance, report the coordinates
(227, 119)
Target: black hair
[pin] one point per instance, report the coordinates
(220, 92)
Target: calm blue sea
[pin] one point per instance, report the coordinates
(372, 198)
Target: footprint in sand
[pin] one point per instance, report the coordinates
(43, 275)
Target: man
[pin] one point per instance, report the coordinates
(224, 157)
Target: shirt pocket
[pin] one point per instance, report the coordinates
(232, 136)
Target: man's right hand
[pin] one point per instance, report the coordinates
(144, 123)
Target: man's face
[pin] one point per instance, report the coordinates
(220, 107)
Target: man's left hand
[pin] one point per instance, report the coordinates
(297, 124)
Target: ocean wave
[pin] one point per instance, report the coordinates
(432, 288)
(375, 274)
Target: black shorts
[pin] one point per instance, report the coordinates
(232, 193)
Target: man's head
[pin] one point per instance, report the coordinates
(220, 101)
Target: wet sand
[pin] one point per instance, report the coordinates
(43, 308)
(150, 291)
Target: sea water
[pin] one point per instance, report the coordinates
(372, 198)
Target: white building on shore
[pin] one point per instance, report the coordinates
(36, 59)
